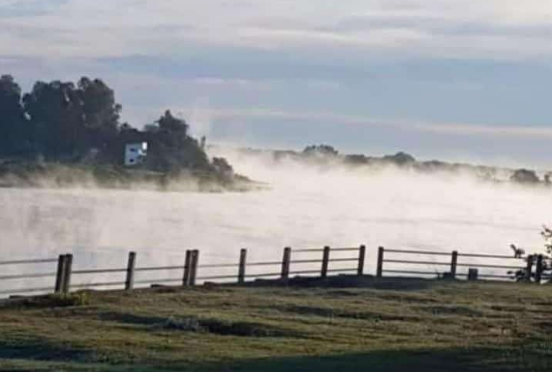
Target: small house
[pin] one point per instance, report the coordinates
(135, 153)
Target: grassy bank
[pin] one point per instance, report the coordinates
(379, 326)
(22, 174)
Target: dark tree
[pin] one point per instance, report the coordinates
(525, 176)
(15, 132)
(400, 159)
(101, 111)
(170, 147)
(170, 124)
(321, 150)
(56, 113)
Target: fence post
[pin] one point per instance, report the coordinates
(187, 269)
(243, 263)
(529, 269)
(60, 275)
(539, 269)
(193, 270)
(454, 265)
(325, 262)
(361, 259)
(381, 252)
(129, 283)
(286, 263)
(473, 275)
(67, 273)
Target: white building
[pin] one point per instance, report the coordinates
(135, 153)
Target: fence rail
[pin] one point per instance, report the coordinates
(389, 261)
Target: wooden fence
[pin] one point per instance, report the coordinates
(295, 262)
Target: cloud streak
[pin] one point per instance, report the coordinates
(454, 129)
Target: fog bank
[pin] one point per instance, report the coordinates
(304, 207)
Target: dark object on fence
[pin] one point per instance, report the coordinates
(361, 260)
(381, 252)
(454, 265)
(447, 276)
(194, 265)
(473, 275)
(67, 271)
(187, 269)
(325, 262)
(539, 268)
(243, 263)
(529, 268)
(286, 263)
(129, 283)
(60, 275)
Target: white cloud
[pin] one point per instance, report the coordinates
(89, 28)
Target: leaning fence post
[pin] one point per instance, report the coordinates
(325, 262)
(193, 270)
(454, 265)
(539, 268)
(187, 269)
(60, 275)
(67, 273)
(129, 283)
(286, 263)
(361, 259)
(381, 252)
(243, 260)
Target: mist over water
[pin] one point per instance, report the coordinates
(305, 207)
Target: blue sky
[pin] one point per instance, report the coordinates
(453, 79)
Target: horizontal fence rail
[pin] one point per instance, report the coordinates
(307, 262)
(404, 266)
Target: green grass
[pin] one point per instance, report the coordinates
(384, 325)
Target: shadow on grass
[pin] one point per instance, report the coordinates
(201, 325)
(40, 350)
(449, 360)
(38, 355)
(353, 281)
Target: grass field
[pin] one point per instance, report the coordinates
(386, 325)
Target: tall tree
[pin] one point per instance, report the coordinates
(14, 129)
(56, 112)
(100, 109)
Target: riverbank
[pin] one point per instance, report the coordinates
(23, 174)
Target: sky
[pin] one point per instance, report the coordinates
(459, 80)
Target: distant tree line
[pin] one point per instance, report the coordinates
(63, 121)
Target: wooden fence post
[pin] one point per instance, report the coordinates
(286, 263)
(539, 268)
(131, 265)
(381, 252)
(361, 259)
(60, 275)
(187, 269)
(473, 275)
(193, 270)
(454, 265)
(325, 262)
(67, 272)
(243, 263)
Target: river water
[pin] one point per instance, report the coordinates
(304, 208)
